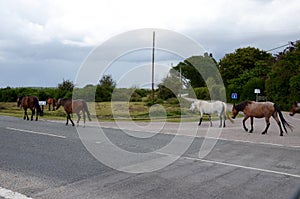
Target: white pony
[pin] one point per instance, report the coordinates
(208, 108)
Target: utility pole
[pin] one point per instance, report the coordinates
(153, 48)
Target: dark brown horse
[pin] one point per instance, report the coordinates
(259, 110)
(51, 101)
(31, 102)
(295, 108)
(74, 106)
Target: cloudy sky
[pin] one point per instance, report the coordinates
(44, 42)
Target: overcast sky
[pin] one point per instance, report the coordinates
(44, 42)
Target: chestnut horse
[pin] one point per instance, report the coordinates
(74, 106)
(31, 102)
(259, 110)
(51, 101)
(295, 108)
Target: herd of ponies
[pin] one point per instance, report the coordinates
(250, 109)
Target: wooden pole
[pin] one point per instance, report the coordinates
(153, 48)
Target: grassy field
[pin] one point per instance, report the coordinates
(108, 111)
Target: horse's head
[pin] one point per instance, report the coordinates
(295, 108)
(192, 107)
(59, 103)
(234, 111)
(19, 100)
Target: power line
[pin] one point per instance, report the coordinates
(278, 47)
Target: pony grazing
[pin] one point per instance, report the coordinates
(208, 108)
(259, 110)
(74, 106)
(51, 101)
(31, 102)
(295, 108)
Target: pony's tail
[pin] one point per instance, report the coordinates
(37, 106)
(284, 122)
(227, 114)
(86, 110)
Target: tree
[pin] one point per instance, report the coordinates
(248, 88)
(107, 81)
(245, 60)
(170, 86)
(65, 89)
(197, 69)
(283, 81)
(66, 85)
(105, 89)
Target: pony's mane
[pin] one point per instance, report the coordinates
(241, 106)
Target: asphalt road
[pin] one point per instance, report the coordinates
(46, 159)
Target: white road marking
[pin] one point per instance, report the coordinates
(8, 194)
(36, 132)
(253, 142)
(236, 165)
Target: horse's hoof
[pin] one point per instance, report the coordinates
(281, 134)
(263, 133)
(251, 131)
(66, 124)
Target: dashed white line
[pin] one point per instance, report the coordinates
(8, 194)
(253, 142)
(36, 132)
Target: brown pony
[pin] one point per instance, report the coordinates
(295, 108)
(259, 110)
(31, 102)
(51, 101)
(74, 106)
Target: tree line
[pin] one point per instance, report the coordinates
(277, 76)
(102, 92)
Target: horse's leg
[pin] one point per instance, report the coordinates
(275, 116)
(83, 115)
(71, 120)
(67, 119)
(32, 113)
(244, 125)
(268, 125)
(251, 121)
(25, 114)
(224, 117)
(37, 115)
(49, 108)
(209, 118)
(78, 116)
(220, 117)
(201, 117)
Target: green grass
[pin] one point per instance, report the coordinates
(108, 111)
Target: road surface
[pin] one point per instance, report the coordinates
(46, 159)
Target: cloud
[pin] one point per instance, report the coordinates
(63, 32)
